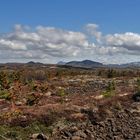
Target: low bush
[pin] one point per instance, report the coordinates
(110, 90)
(32, 99)
(4, 94)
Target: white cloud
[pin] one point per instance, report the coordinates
(128, 40)
(92, 29)
(49, 44)
(42, 43)
(14, 45)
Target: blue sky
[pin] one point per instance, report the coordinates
(111, 17)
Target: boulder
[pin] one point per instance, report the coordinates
(136, 97)
(39, 136)
(80, 134)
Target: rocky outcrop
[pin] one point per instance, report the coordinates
(121, 124)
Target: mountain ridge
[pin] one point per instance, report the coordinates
(84, 63)
(80, 64)
(92, 64)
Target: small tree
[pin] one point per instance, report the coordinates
(136, 96)
(111, 86)
(138, 84)
(4, 82)
(110, 90)
(110, 73)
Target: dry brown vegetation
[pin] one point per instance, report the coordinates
(69, 103)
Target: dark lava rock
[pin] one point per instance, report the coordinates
(39, 136)
(136, 97)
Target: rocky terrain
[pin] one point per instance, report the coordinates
(56, 103)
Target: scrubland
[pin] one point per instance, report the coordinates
(57, 102)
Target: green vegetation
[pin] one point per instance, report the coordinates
(42, 99)
(110, 90)
(4, 94)
(110, 73)
(4, 81)
(32, 99)
(23, 133)
(61, 92)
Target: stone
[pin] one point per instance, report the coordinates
(39, 136)
(75, 138)
(80, 134)
(136, 97)
(73, 129)
(67, 134)
(87, 131)
(48, 94)
(18, 103)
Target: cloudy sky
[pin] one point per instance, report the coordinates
(49, 31)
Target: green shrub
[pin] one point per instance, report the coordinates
(4, 81)
(111, 86)
(62, 93)
(31, 100)
(110, 90)
(110, 73)
(4, 94)
(108, 94)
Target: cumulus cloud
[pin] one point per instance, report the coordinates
(128, 40)
(45, 41)
(50, 44)
(111, 44)
(92, 29)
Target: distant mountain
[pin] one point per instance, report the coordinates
(79, 64)
(132, 64)
(93, 64)
(31, 63)
(84, 64)
(61, 63)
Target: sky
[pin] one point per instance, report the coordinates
(49, 31)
